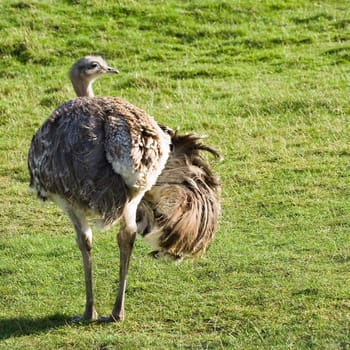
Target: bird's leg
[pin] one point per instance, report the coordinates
(126, 238)
(84, 241)
(125, 242)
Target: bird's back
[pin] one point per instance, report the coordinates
(92, 151)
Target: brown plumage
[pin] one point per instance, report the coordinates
(180, 212)
(107, 159)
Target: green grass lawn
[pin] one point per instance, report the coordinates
(268, 82)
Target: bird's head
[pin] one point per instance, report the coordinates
(86, 70)
(90, 67)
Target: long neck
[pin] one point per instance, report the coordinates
(83, 88)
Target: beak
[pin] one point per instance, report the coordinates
(112, 70)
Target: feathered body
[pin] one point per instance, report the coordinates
(81, 152)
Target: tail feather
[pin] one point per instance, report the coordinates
(182, 209)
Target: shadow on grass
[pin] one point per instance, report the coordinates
(16, 327)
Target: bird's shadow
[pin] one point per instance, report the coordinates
(16, 327)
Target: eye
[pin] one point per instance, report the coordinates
(93, 65)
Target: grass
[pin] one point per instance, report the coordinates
(268, 82)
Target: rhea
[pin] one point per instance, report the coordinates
(105, 159)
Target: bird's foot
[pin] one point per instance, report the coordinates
(78, 319)
(109, 319)
(90, 317)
